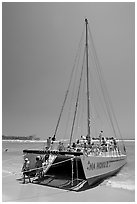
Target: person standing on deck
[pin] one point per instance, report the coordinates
(100, 135)
(49, 143)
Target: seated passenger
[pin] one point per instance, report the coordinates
(68, 148)
(39, 169)
(61, 147)
(74, 145)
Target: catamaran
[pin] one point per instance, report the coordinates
(87, 157)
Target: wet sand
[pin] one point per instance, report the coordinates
(14, 191)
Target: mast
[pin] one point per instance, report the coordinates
(88, 100)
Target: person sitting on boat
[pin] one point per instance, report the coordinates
(88, 140)
(68, 148)
(104, 144)
(85, 147)
(38, 166)
(82, 140)
(61, 147)
(108, 145)
(25, 169)
(78, 146)
(74, 146)
(93, 148)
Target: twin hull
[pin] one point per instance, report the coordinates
(100, 167)
(90, 168)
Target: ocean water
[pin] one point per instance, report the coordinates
(125, 179)
(12, 161)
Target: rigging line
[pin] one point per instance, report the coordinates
(79, 46)
(101, 82)
(76, 105)
(77, 126)
(100, 99)
(73, 88)
(81, 106)
(93, 107)
(107, 95)
(109, 101)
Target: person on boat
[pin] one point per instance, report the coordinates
(77, 142)
(68, 148)
(85, 146)
(82, 140)
(74, 146)
(100, 136)
(88, 140)
(45, 163)
(25, 169)
(46, 157)
(116, 149)
(103, 144)
(49, 143)
(78, 146)
(53, 138)
(108, 145)
(61, 147)
(38, 166)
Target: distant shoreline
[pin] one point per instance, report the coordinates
(6, 140)
(23, 140)
(31, 137)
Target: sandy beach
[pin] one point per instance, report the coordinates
(14, 191)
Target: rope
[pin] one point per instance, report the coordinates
(66, 95)
(47, 166)
(99, 98)
(73, 86)
(105, 92)
(76, 106)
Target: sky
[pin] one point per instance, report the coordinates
(39, 43)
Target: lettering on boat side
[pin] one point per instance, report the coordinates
(98, 165)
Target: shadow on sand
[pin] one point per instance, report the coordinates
(66, 184)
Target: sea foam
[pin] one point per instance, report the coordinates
(128, 185)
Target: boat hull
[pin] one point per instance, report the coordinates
(94, 169)
(98, 168)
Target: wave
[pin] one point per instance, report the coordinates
(128, 140)
(122, 185)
